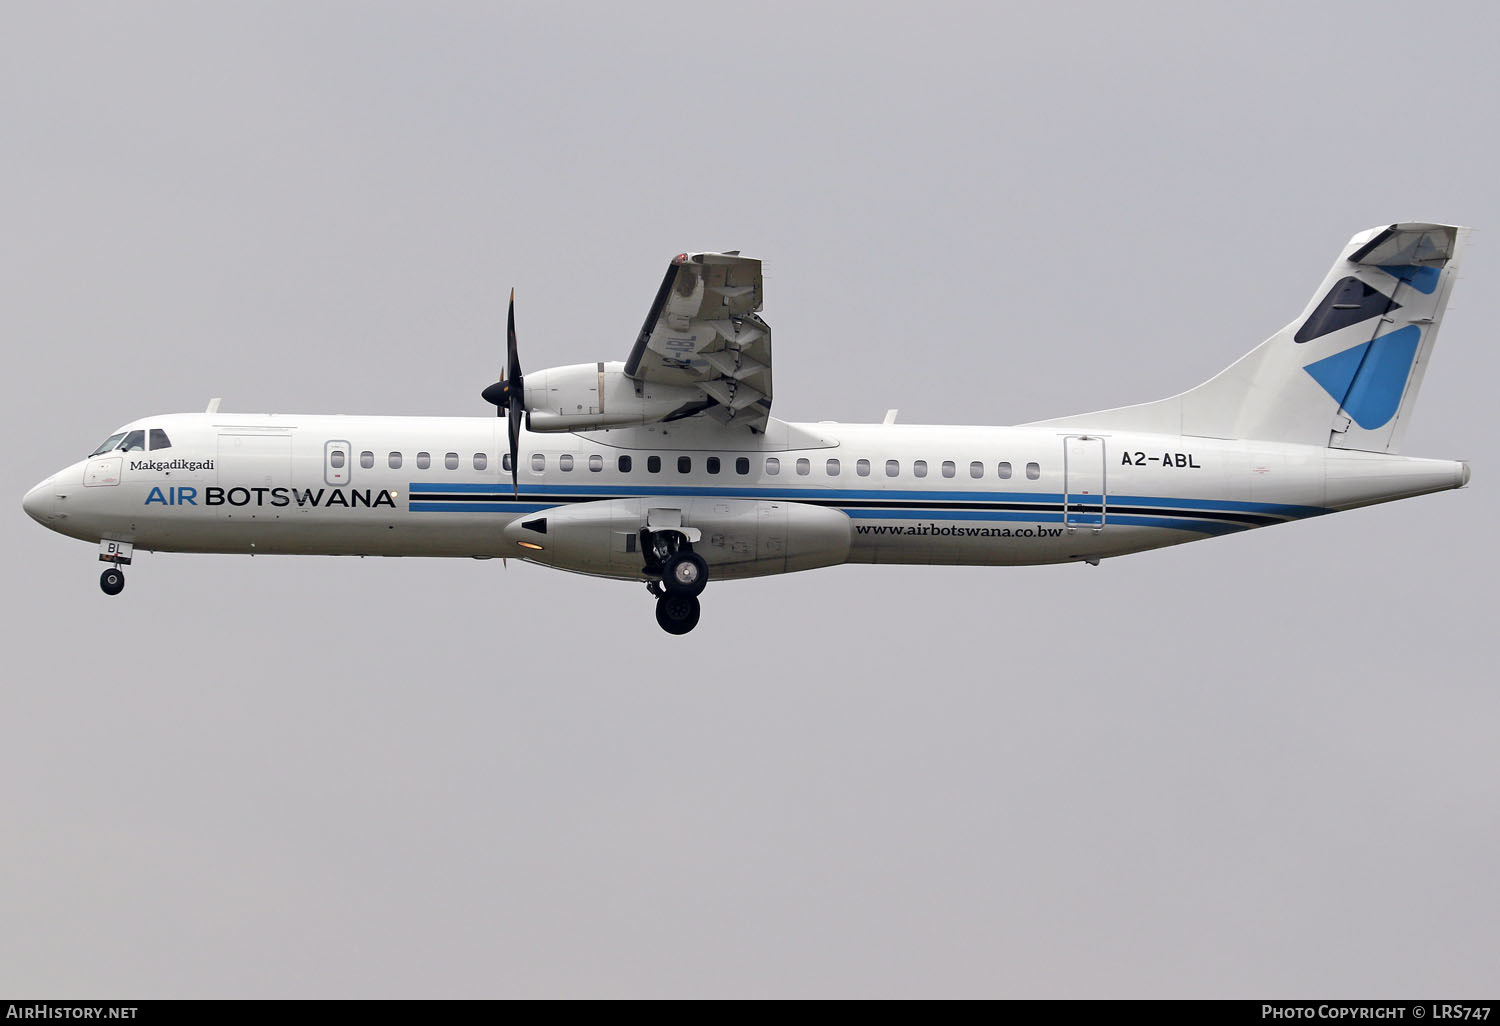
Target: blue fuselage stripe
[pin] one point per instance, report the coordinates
(1198, 526)
(835, 495)
(418, 506)
(1188, 514)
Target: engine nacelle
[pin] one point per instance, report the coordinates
(736, 537)
(588, 396)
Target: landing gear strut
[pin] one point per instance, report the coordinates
(112, 581)
(681, 575)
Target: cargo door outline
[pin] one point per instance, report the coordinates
(250, 466)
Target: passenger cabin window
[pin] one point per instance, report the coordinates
(742, 465)
(713, 464)
(1033, 471)
(481, 461)
(159, 440)
(684, 464)
(367, 459)
(862, 468)
(919, 468)
(596, 464)
(565, 462)
(134, 442)
(424, 460)
(773, 466)
(336, 459)
(538, 462)
(653, 464)
(451, 461)
(892, 468)
(803, 467)
(624, 464)
(976, 470)
(949, 469)
(108, 444)
(1004, 471)
(394, 461)
(505, 462)
(833, 468)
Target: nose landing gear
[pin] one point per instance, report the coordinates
(681, 575)
(112, 581)
(116, 554)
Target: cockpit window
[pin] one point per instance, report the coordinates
(109, 443)
(159, 440)
(134, 442)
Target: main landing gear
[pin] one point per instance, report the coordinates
(681, 575)
(112, 581)
(678, 614)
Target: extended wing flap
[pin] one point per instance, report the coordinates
(704, 329)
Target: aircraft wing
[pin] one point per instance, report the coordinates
(704, 330)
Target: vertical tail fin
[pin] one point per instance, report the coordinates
(1345, 373)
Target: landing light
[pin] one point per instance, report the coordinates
(530, 545)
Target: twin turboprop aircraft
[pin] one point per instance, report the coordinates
(669, 469)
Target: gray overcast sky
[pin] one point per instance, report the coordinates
(1259, 765)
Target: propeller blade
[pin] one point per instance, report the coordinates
(513, 356)
(515, 441)
(511, 386)
(508, 395)
(516, 384)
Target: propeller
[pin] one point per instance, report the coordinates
(509, 395)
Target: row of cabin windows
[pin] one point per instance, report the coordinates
(948, 468)
(803, 466)
(833, 468)
(395, 459)
(918, 468)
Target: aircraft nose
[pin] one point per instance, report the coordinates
(38, 502)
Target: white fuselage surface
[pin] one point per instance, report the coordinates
(428, 486)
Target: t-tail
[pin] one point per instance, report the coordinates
(1345, 373)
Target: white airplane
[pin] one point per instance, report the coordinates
(669, 468)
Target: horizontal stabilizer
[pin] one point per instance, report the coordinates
(1414, 245)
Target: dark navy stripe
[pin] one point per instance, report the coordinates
(1274, 508)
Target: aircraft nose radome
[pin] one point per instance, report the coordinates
(41, 502)
(35, 502)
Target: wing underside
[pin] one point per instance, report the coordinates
(704, 330)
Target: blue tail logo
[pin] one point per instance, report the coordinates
(1369, 380)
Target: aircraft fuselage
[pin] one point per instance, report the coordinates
(425, 486)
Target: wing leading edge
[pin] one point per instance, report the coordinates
(704, 330)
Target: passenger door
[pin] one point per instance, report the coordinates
(1084, 500)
